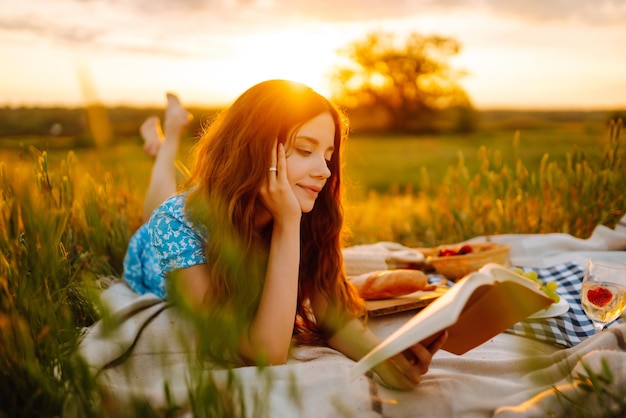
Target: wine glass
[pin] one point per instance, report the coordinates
(603, 293)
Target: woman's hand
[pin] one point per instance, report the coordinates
(402, 371)
(405, 370)
(276, 193)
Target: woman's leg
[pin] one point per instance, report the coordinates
(163, 144)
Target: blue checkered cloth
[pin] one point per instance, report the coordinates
(565, 330)
(572, 327)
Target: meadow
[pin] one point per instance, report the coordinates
(427, 191)
(66, 217)
(414, 180)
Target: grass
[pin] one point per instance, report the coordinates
(65, 219)
(535, 185)
(385, 163)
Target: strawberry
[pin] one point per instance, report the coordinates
(447, 252)
(599, 296)
(465, 249)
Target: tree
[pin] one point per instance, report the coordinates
(410, 82)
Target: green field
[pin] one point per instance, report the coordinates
(425, 190)
(379, 162)
(384, 163)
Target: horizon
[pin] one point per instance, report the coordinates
(521, 109)
(493, 108)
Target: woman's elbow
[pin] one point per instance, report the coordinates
(273, 355)
(265, 348)
(278, 359)
(269, 356)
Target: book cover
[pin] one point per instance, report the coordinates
(477, 308)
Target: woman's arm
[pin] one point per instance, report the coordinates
(268, 336)
(402, 371)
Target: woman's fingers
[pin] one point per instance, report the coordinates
(418, 358)
(405, 370)
(278, 169)
(414, 362)
(277, 194)
(281, 164)
(397, 373)
(274, 157)
(407, 378)
(438, 343)
(273, 169)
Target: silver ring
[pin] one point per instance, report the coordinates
(273, 169)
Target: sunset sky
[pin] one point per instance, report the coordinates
(517, 53)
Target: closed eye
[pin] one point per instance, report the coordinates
(304, 152)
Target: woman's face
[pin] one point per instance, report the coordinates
(308, 155)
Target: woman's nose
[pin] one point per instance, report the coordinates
(321, 168)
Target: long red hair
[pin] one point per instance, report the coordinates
(231, 162)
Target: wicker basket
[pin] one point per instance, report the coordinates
(455, 267)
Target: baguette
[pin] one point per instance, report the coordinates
(390, 283)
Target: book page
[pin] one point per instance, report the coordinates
(492, 309)
(477, 308)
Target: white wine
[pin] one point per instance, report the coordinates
(603, 301)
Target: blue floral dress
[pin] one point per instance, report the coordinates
(167, 242)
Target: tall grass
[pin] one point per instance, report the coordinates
(58, 231)
(61, 232)
(34, 273)
(571, 196)
(61, 229)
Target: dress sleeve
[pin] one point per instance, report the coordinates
(177, 243)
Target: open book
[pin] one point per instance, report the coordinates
(478, 307)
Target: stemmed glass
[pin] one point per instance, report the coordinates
(603, 293)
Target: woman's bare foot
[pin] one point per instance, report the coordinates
(176, 117)
(152, 135)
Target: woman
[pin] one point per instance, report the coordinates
(253, 243)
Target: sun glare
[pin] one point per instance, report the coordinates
(305, 55)
(300, 55)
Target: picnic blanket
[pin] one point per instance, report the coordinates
(145, 352)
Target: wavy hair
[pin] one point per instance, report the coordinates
(230, 163)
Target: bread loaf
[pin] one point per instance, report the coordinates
(390, 283)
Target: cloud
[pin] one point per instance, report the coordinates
(26, 25)
(595, 12)
(107, 24)
(165, 26)
(585, 11)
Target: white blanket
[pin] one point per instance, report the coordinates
(151, 349)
